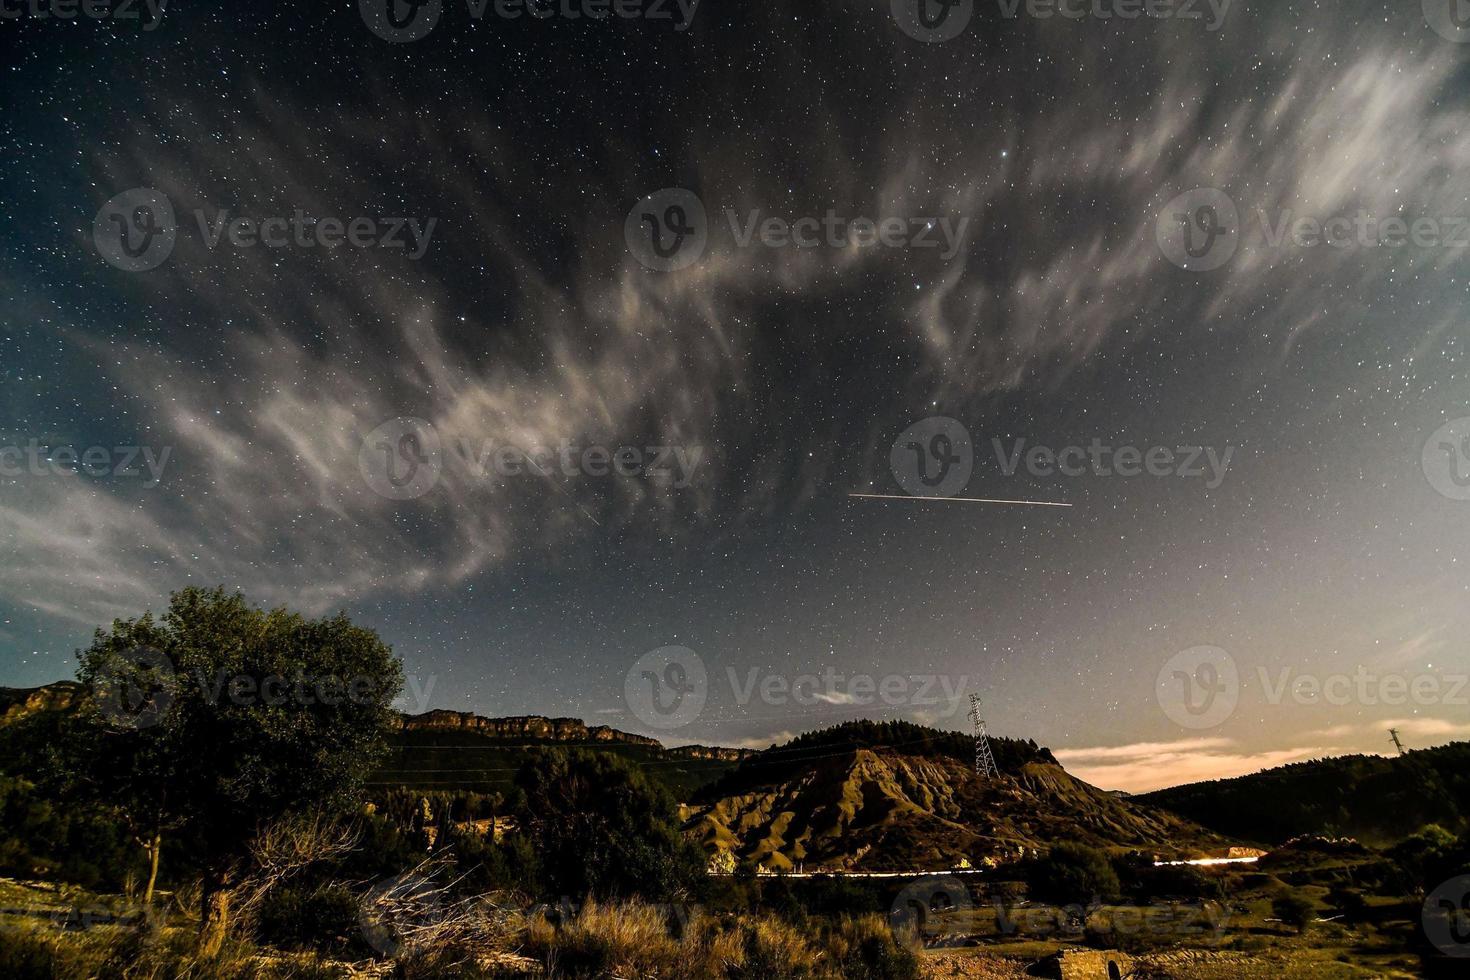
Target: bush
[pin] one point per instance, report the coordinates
(775, 950)
(309, 917)
(1073, 874)
(630, 938)
(1294, 909)
(865, 949)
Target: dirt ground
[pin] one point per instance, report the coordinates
(962, 964)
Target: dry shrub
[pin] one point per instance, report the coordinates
(865, 949)
(629, 938)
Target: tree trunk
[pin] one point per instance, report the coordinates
(154, 846)
(214, 915)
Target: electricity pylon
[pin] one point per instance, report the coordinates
(1393, 733)
(984, 758)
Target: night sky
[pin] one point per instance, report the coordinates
(1332, 542)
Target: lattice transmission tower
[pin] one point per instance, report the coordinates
(984, 758)
(1393, 733)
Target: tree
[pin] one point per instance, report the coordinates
(1293, 909)
(1073, 874)
(220, 719)
(605, 829)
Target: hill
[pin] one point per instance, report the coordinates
(455, 750)
(1374, 799)
(450, 750)
(893, 796)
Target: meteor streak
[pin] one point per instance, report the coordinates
(960, 500)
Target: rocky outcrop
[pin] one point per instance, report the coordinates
(712, 753)
(524, 728)
(20, 702)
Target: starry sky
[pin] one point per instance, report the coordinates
(530, 321)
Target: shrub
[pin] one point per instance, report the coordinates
(1073, 874)
(1294, 909)
(775, 950)
(865, 949)
(306, 917)
(626, 939)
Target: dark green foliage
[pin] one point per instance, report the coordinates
(213, 766)
(604, 829)
(40, 835)
(1430, 857)
(321, 916)
(1143, 883)
(1377, 800)
(1072, 874)
(428, 760)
